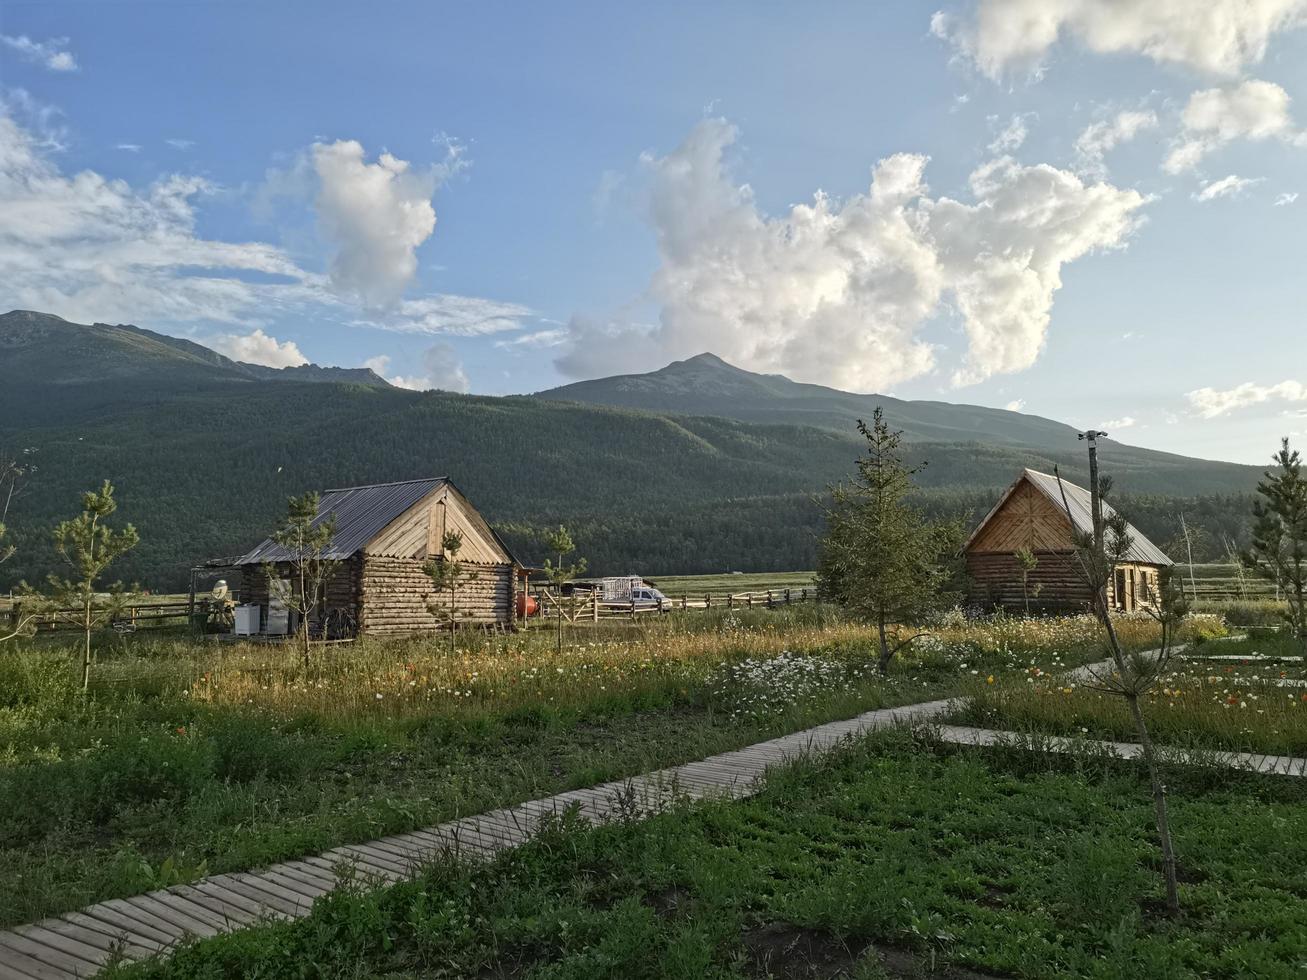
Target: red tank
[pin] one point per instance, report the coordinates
(527, 605)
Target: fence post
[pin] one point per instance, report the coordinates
(730, 601)
(633, 608)
(748, 599)
(594, 602)
(707, 600)
(770, 603)
(685, 603)
(787, 597)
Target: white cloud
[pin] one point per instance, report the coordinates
(375, 215)
(258, 348)
(460, 316)
(179, 144)
(1099, 138)
(1253, 109)
(53, 54)
(1015, 405)
(1222, 37)
(539, 339)
(1231, 186)
(129, 147)
(89, 247)
(1212, 402)
(443, 371)
(1011, 136)
(837, 292)
(1124, 422)
(1287, 197)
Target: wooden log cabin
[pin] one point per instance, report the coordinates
(1031, 514)
(385, 533)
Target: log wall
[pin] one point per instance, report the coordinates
(996, 581)
(340, 610)
(395, 593)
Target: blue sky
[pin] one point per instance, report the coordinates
(1075, 207)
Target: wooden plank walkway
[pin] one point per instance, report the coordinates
(78, 944)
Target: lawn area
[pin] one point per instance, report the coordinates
(695, 586)
(190, 758)
(1232, 696)
(892, 858)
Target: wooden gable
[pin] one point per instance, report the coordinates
(417, 533)
(1026, 518)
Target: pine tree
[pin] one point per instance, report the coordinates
(1279, 539)
(559, 573)
(308, 542)
(447, 574)
(90, 546)
(1098, 551)
(881, 557)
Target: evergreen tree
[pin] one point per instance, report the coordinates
(308, 542)
(447, 574)
(1098, 551)
(1279, 539)
(89, 546)
(881, 558)
(559, 543)
(1027, 562)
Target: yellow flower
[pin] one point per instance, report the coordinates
(989, 679)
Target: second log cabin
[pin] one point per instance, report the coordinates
(385, 533)
(1032, 515)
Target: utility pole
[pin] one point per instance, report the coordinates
(1095, 498)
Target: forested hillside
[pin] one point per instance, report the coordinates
(204, 463)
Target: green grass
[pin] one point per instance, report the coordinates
(191, 758)
(699, 585)
(1254, 705)
(892, 859)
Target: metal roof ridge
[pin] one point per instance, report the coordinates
(392, 483)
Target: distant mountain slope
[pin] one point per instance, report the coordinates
(205, 452)
(56, 351)
(707, 385)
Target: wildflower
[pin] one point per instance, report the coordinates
(181, 729)
(989, 679)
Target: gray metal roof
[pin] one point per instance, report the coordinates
(1080, 505)
(361, 514)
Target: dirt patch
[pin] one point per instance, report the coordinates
(788, 952)
(782, 951)
(668, 902)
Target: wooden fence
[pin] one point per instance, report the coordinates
(593, 609)
(127, 619)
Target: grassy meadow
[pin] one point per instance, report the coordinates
(895, 857)
(189, 758)
(1238, 695)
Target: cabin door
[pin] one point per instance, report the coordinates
(1122, 597)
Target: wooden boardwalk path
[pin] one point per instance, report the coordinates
(78, 944)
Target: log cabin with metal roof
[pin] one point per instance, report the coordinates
(1032, 514)
(385, 533)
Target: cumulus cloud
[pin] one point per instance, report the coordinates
(1100, 138)
(1222, 37)
(257, 347)
(1286, 197)
(1212, 402)
(1015, 405)
(1231, 186)
(1253, 109)
(375, 215)
(443, 371)
(1113, 425)
(837, 292)
(88, 247)
(52, 54)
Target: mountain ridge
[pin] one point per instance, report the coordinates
(59, 351)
